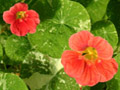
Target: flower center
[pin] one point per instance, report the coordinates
(20, 15)
(90, 53)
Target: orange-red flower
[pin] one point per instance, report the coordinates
(90, 60)
(21, 19)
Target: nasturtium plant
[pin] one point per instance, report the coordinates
(33, 59)
(52, 35)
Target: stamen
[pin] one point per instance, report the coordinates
(20, 15)
(90, 53)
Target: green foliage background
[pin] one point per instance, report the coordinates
(35, 58)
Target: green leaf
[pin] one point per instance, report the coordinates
(37, 81)
(52, 35)
(62, 82)
(1, 51)
(107, 30)
(114, 83)
(17, 48)
(11, 82)
(97, 9)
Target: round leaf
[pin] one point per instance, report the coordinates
(17, 48)
(97, 9)
(11, 82)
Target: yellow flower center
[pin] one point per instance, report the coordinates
(90, 53)
(20, 15)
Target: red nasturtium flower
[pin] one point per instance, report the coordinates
(21, 19)
(90, 60)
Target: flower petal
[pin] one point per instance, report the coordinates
(89, 77)
(31, 25)
(19, 7)
(107, 69)
(33, 15)
(72, 63)
(104, 49)
(9, 17)
(19, 28)
(79, 41)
